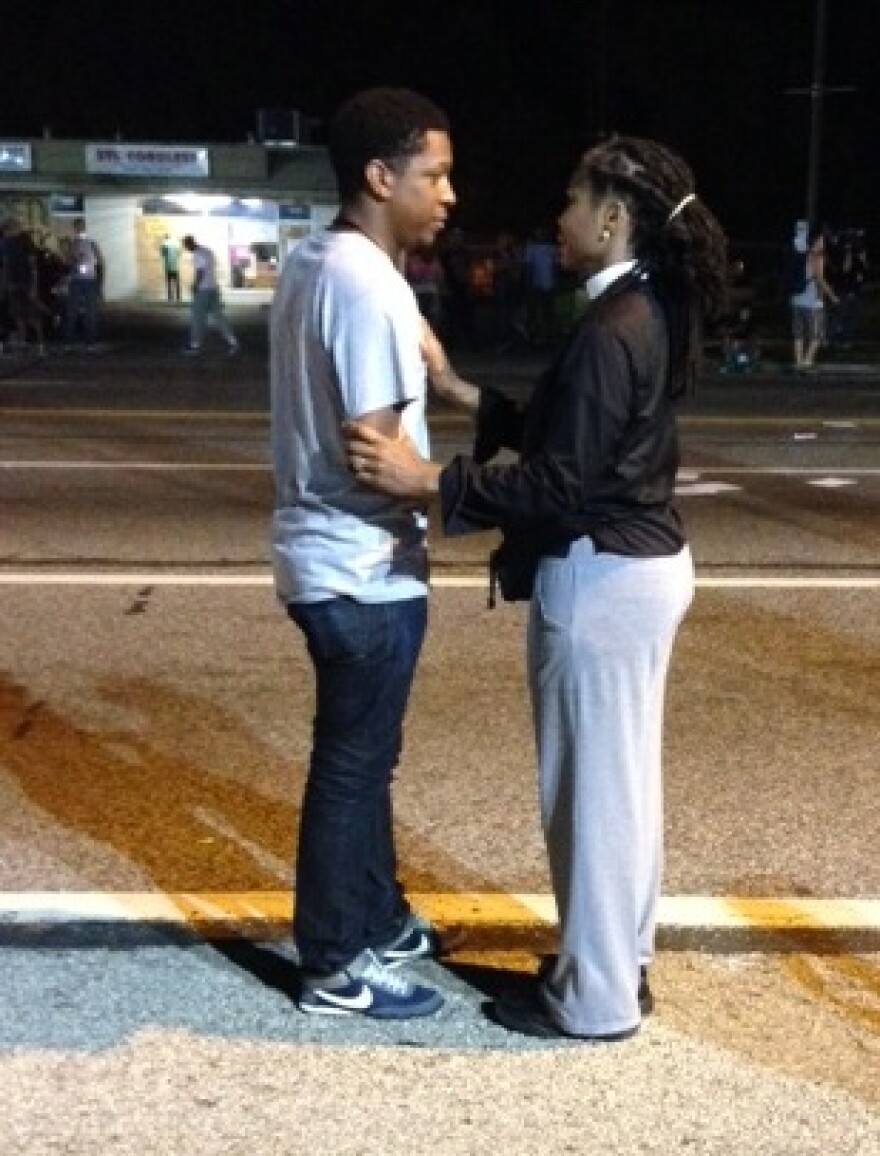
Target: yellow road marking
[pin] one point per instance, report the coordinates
(462, 909)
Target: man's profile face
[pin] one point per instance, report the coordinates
(422, 192)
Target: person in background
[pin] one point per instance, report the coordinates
(351, 564)
(169, 251)
(207, 303)
(592, 539)
(740, 349)
(26, 312)
(850, 279)
(509, 301)
(51, 275)
(539, 262)
(84, 286)
(425, 274)
(459, 321)
(808, 305)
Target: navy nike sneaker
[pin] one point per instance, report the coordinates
(369, 988)
(417, 939)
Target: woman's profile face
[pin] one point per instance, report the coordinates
(581, 249)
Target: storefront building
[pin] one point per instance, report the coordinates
(250, 203)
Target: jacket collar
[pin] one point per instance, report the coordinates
(599, 282)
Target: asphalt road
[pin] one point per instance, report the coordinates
(155, 707)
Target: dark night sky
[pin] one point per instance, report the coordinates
(528, 85)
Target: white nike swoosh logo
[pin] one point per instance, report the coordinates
(422, 945)
(359, 1002)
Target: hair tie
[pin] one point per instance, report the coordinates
(681, 205)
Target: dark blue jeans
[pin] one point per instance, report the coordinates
(82, 302)
(347, 894)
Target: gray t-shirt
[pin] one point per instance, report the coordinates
(205, 263)
(344, 341)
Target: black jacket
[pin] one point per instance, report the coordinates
(597, 441)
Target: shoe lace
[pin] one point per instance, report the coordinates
(386, 979)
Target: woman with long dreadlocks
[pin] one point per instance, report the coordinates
(591, 537)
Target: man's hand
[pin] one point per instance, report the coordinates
(392, 465)
(445, 382)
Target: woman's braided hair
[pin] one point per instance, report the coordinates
(686, 253)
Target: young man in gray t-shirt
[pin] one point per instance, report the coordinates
(350, 564)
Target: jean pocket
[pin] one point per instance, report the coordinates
(343, 630)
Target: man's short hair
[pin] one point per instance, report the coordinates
(189, 242)
(386, 124)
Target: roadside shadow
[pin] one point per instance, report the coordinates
(190, 822)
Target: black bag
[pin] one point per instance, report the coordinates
(512, 568)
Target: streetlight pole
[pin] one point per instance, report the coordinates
(601, 58)
(816, 93)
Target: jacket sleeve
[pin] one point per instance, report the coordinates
(589, 407)
(499, 425)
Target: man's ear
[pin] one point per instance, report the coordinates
(380, 179)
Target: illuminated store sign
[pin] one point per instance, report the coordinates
(15, 158)
(295, 212)
(66, 205)
(147, 160)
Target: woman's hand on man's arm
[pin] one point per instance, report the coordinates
(391, 464)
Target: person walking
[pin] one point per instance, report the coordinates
(207, 303)
(350, 564)
(592, 539)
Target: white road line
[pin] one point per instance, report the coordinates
(730, 582)
(705, 489)
(471, 909)
(169, 467)
(91, 413)
(792, 471)
(135, 415)
(132, 578)
(686, 474)
(470, 581)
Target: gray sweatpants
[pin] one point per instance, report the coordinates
(601, 629)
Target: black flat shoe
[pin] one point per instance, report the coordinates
(527, 1015)
(646, 996)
